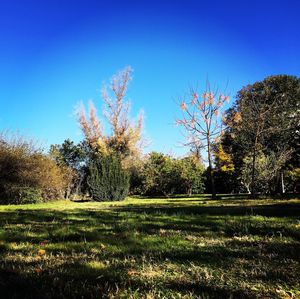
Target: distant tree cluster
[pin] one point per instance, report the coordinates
(107, 167)
(253, 147)
(162, 175)
(76, 158)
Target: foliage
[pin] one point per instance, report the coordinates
(126, 136)
(76, 158)
(24, 167)
(265, 118)
(158, 175)
(223, 160)
(107, 180)
(70, 154)
(23, 195)
(293, 180)
(190, 176)
(135, 170)
(266, 168)
(163, 175)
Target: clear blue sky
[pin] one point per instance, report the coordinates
(54, 54)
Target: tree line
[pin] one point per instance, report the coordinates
(252, 147)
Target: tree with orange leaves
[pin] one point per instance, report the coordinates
(202, 123)
(126, 135)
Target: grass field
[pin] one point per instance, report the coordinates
(151, 248)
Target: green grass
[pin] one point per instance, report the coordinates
(151, 248)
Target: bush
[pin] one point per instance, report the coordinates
(293, 180)
(107, 180)
(22, 195)
(159, 177)
(24, 168)
(135, 170)
(191, 180)
(163, 175)
(267, 168)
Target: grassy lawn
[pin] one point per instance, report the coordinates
(151, 248)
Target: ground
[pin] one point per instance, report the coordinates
(151, 248)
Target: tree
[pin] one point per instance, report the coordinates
(158, 176)
(107, 180)
(266, 168)
(164, 175)
(126, 136)
(252, 117)
(76, 157)
(191, 175)
(265, 118)
(224, 169)
(201, 121)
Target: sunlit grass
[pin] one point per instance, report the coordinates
(151, 248)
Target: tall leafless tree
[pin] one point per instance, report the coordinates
(201, 120)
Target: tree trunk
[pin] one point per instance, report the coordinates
(253, 170)
(78, 185)
(68, 192)
(253, 176)
(190, 191)
(212, 180)
(248, 189)
(282, 189)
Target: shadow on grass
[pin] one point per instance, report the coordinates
(82, 282)
(241, 196)
(154, 234)
(271, 210)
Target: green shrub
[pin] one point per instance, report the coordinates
(293, 180)
(107, 180)
(163, 175)
(22, 195)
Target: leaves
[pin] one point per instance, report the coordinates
(41, 252)
(126, 135)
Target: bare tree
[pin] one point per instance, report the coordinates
(201, 120)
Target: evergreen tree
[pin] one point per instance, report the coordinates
(107, 180)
